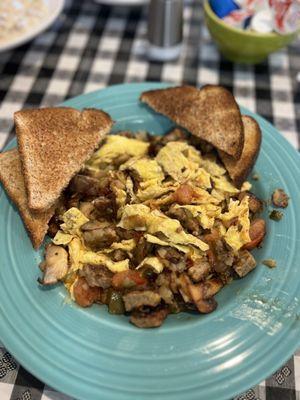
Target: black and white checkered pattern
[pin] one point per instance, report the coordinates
(92, 46)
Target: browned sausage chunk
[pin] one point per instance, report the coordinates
(85, 185)
(245, 263)
(255, 205)
(84, 295)
(257, 233)
(280, 198)
(199, 270)
(137, 299)
(152, 319)
(97, 275)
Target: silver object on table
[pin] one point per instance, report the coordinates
(165, 25)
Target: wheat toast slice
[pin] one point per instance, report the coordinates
(53, 145)
(238, 170)
(11, 177)
(211, 113)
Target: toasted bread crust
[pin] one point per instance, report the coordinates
(53, 145)
(210, 113)
(238, 170)
(12, 179)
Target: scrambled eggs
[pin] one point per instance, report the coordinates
(143, 187)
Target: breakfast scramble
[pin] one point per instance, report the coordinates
(152, 225)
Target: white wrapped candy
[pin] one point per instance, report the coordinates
(285, 15)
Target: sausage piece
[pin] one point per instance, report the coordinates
(257, 233)
(85, 295)
(152, 319)
(280, 198)
(245, 263)
(137, 299)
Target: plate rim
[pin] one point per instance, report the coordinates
(157, 85)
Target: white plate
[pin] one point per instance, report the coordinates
(123, 2)
(55, 7)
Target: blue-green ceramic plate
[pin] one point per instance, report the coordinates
(90, 354)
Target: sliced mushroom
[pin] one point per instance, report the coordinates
(149, 319)
(166, 294)
(105, 206)
(96, 236)
(183, 283)
(204, 306)
(92, 225)
(72, 201)
(87, 208)
(141, 251)
(202, 293)
(55, 266)
(85, 185)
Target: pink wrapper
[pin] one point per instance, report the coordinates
(286, 15)
(237, 18)
(253, 5)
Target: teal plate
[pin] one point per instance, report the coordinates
(90, 354)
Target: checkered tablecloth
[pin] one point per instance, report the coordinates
(90, 47)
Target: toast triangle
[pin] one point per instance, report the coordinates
(53, 145)
(12, 179)
(211, 113)
(238, 170)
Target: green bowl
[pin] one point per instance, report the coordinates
(243, 46)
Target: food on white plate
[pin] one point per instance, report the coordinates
(148, 225)
(18, 17)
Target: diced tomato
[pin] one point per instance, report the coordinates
(184, 194)
(127, 279)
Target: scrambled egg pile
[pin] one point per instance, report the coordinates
(147, 185)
